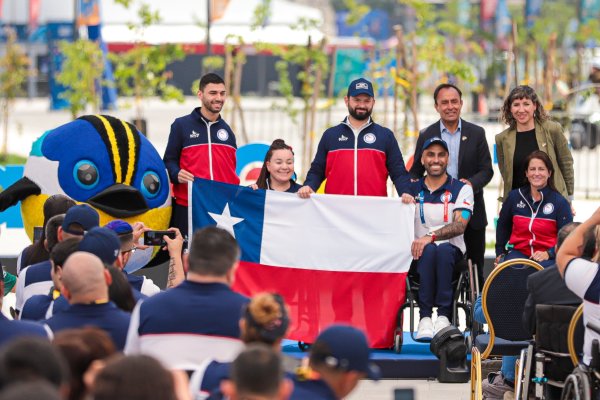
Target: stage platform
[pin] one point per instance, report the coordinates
(414, 362)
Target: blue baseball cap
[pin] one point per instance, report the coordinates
(103, 243)
(435, 140)
(119, 227)
(360, 86)
(347, 350)
(82, 215)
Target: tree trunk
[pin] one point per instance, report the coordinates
(5, 110)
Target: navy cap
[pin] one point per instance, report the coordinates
(348, 350)
(435, 140)
(103, 243)
(360, 86)
(83, 215)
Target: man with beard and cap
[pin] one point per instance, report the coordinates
(201, 144)
(444, 208)
(357, 155)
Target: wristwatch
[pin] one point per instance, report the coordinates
(431, 235)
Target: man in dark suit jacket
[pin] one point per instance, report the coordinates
(470, 161)
(548, 287)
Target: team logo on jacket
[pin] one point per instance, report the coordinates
(343, 138)
(520, 204)
(194, 134)
(369, 138)
(223, 135)
(548, 208)
(445, 198)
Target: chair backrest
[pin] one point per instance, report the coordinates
(503, 298)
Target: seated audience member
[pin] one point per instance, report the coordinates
(80, 348)
(137, 377)
(43, 306)
(338, 360)
(264, 320)
(444, 208)
(548, 287)
(278, 169)
(85, 285)
(582, 276)
(31, 390)
(120, 291)
(257, 373)
(545, 287)
(28, 360)
(37, 252)
(75, 223)
(199, 318)
(531, 216)
(128, 247)
(11, 330)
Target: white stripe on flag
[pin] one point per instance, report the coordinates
(337, 233)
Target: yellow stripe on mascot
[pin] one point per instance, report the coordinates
(98, 160)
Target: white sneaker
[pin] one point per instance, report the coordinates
(425, 330)
(440, 323)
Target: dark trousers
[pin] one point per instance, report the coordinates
(517, 254)
(435, 268)
(179, 219)
(475, 243)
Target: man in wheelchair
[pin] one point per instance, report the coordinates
(444, 207)
(582, 277)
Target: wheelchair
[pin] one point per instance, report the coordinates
(584, 382)
(466, 290)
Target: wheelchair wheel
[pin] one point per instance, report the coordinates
(577, 386)
(398, 341)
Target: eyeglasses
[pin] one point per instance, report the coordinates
(131, 250)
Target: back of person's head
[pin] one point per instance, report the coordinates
(29, 359)
(210, 78)
(31, 390)
(257, 372)
(123, 230)
(265, 319)
(119, 290)
(62, 250)
(81, 347)
(52, 231)
(137, 377)
(84, 278)
(103, 243)
(54, 205)
(214, 252)
(593, 238)
(79, 219)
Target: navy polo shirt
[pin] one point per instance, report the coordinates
(11, 330)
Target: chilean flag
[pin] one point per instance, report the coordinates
(333, 258)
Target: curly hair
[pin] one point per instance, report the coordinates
(266, 319)
(518, 93)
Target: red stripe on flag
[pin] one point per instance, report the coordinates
(317, 299)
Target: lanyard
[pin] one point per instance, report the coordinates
(422, 205)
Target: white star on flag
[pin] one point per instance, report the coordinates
(225, 220)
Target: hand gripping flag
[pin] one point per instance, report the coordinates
(333, 258)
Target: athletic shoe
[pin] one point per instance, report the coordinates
(495, 386)
(440, 323)
(425, 330)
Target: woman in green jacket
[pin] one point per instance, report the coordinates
(530, 129)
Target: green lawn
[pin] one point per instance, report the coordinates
(12, 159)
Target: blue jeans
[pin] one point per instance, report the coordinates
(435, 268)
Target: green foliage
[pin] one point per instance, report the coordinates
(212, 63)
(81, 70)
(261, 15)
(142, 71)
(12, 159)
(356, 11)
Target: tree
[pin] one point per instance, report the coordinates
(81, 74)
(141, 72)
(13, 73)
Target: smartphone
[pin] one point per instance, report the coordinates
(404, 394)
(155, 238)
(37, 233)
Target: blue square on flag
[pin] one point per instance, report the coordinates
(237, 209)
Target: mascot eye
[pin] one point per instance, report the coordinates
(150, 184)
(85, 174)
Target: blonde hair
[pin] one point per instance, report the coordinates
(596, 257)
